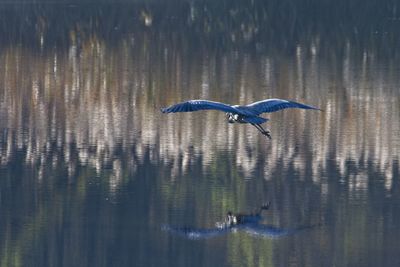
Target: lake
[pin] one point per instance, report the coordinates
(91, 172)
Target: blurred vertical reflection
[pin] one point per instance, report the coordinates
(89, 105)
(90, 168)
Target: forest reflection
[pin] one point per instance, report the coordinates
(90, 168)
(99, 107)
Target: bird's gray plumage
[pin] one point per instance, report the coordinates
(272, 105)
(236, 113)
(195, 105)
(251, 110)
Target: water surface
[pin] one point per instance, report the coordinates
(90, 169)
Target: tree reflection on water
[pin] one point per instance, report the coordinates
(85, 151)
(90, 105)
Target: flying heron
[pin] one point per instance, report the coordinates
(239, 114)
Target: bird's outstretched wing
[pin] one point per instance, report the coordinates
(272, 105)
(195, 105)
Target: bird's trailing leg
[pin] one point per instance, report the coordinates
(262, 130)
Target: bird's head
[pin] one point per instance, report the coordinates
(230, 117)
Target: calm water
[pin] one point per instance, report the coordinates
(90, 170)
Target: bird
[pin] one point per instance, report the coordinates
(239, 113)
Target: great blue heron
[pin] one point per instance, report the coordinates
(240, 114)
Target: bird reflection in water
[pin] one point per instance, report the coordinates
(248, 223)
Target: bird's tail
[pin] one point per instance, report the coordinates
(255, 120)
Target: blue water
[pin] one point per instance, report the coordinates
(92, 173)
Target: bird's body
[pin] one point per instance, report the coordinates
(239, 114)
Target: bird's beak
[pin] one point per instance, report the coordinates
(229, 117)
